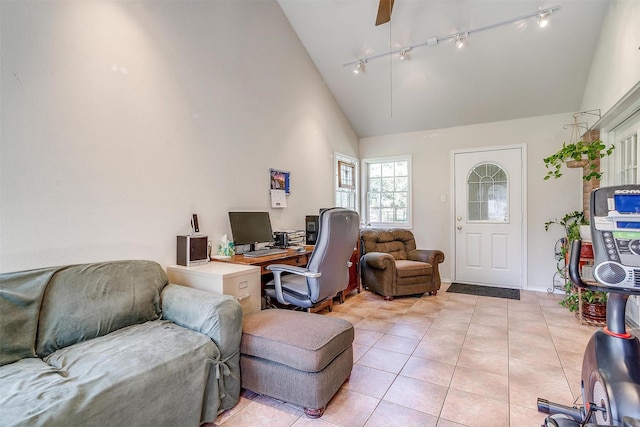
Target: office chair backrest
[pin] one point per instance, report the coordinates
(337, 238)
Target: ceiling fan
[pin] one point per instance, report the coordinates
(384, 12)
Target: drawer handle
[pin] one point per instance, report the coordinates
(241, 297)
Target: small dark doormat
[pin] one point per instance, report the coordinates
(484, 291)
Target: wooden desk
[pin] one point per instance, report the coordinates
(291, 257)
(299, 259)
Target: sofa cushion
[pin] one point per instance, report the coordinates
(20, 301)
(82, 302)
(119, 379)
(407, 268)
(304, 341)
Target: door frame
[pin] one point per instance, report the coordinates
(523, 191)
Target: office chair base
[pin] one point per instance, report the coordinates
(328, 304)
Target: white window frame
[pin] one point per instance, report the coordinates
(365, 192)
(338, 190)
(614, 169)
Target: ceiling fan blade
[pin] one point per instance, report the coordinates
(384, 12)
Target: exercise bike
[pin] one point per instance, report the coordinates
(611, 364)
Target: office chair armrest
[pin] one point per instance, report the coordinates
(278, 269)
(284, 268)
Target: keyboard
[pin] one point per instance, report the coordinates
(264, 252)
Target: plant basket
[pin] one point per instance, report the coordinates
(594, 311)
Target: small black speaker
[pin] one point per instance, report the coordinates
(312, 224)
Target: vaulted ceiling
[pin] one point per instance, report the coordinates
(506, 72)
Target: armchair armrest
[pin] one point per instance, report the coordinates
(379, 260)
(278, 269)
(432, 256)
(217, 316)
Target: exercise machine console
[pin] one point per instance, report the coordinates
(611, 364)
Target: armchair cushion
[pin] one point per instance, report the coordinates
(413, 268)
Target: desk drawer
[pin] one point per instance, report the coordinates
(300, 261)
(241, 282)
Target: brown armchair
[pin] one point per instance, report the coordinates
(392, 266)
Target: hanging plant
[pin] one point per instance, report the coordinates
(584, 153)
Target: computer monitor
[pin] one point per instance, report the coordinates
(249, 228)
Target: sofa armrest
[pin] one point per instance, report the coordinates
(220, 318)
(431, 256)
(217, 316)
(379, 260)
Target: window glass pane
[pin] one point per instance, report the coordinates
(401, 214)
(388, 184)
(387, 215)
(374, 200)
(375, 185)
(402, 168)
(487, 190)
(387, 169)
(402, 184)
(400, 200)
(375, 170)
(386, 200)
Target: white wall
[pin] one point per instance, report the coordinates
(431, 161)
(121, 119)
(616, 64)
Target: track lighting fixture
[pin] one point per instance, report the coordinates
(404, 53)
(360, 66)
(543, 19)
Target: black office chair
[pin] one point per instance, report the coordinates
(327, 272)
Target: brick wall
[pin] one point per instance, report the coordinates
(592, 184)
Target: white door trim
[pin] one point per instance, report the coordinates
(523, 190)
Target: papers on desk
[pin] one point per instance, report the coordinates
(278, 199)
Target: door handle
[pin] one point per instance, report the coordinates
(459, 227)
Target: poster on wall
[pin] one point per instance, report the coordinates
(280, 180)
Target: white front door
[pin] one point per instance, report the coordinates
(488, 223)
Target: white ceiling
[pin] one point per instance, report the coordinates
(509, 72)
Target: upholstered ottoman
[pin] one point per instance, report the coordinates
(296, 357)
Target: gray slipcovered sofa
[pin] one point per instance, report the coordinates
(113, 344)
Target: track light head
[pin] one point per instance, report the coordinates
(360, 67)
(405, 54)
(543, 19)
(460, 40)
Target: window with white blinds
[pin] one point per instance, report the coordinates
(346, 184)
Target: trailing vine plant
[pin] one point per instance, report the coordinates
(577, 151)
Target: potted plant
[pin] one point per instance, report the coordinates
(577, 154)
(571, 223)
(594, 303)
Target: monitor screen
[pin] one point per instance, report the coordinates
(250, 227)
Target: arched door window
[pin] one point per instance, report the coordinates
(487, 200)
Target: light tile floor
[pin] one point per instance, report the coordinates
(446, 360)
